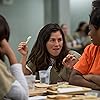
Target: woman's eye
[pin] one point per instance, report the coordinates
(52, 40)
(59, 39)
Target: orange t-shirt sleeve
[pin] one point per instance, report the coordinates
(83, 64)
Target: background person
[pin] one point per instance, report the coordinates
(80, 31)
(87, 39)
(68, 36)
(79, 36)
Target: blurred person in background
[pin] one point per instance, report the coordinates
(68, 37)
(65, 30)
(79, 33)
(79, 36)
(13, 86)
(87, 39)
(49, 50)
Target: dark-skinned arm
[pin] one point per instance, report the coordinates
(93, 78)
(76, 78)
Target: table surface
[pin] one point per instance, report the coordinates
(43, 92)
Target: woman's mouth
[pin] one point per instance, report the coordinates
(56, 49)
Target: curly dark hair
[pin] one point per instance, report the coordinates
(95, 14)
(39, 53)
(96, 4)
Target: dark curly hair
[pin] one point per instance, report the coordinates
(95, 14)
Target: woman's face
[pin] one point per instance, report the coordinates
(55, 43)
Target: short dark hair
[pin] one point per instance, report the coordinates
(4, 32)
(4, 29)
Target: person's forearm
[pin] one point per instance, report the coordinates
(11, 56)
(80, 81)
(23, 62)
(96, 79)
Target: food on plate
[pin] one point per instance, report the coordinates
(51, 96)
(42, 85)
(60, 97)
(63, 97)
(53, 87)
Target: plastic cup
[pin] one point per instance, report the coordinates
(31, 81)
(43, 76)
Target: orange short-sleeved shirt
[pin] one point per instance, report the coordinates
(89, 62)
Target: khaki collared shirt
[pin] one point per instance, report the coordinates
(6, 80)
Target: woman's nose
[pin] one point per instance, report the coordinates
(56, 42)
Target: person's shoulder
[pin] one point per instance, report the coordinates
(90, 47)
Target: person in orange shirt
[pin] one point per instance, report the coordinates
(86, 72)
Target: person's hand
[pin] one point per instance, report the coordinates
(69, 61)
(23, 48)
(7, 50)
(5, 47)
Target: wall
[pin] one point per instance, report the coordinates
(51, 9)
(57, 11)
(25, 18)
(64, 12)
(79, 11)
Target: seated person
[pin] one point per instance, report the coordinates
(49, 50)
(12, 86)
(86, 71)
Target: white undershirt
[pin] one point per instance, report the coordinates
(19, 89)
